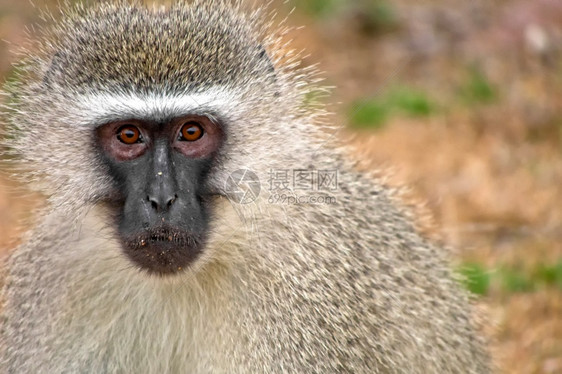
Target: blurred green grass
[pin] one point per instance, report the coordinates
(372, 16)
(477, 88)
(373, 113)
(480, 280)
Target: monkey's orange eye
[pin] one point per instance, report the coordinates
(129, 134)
(191, 132)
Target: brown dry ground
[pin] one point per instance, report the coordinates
(489, 170)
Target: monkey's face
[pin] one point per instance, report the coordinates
(154, 110)
(160, 170)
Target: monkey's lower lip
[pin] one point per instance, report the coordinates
(163, 250)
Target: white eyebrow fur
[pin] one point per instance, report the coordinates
(99, 108)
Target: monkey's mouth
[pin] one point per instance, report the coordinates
(163, 250)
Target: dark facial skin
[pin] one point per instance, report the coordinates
(160, 170)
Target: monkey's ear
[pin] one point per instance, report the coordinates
(264, 58)
(54, 69)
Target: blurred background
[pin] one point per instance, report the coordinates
(462, 100)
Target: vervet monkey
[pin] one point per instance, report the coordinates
(142, 126)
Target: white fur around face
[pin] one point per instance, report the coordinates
(178, 324)
(104, 107)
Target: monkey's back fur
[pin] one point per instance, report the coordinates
(348, 287)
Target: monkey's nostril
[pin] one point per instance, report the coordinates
(153, 202)
(172, 200)
(161, 202)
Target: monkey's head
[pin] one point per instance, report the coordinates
(148, 111)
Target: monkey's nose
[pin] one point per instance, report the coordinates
(161, 202)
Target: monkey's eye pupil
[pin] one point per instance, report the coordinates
(129, 134)
(191, 132)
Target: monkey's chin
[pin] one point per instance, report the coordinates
(163, 251)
